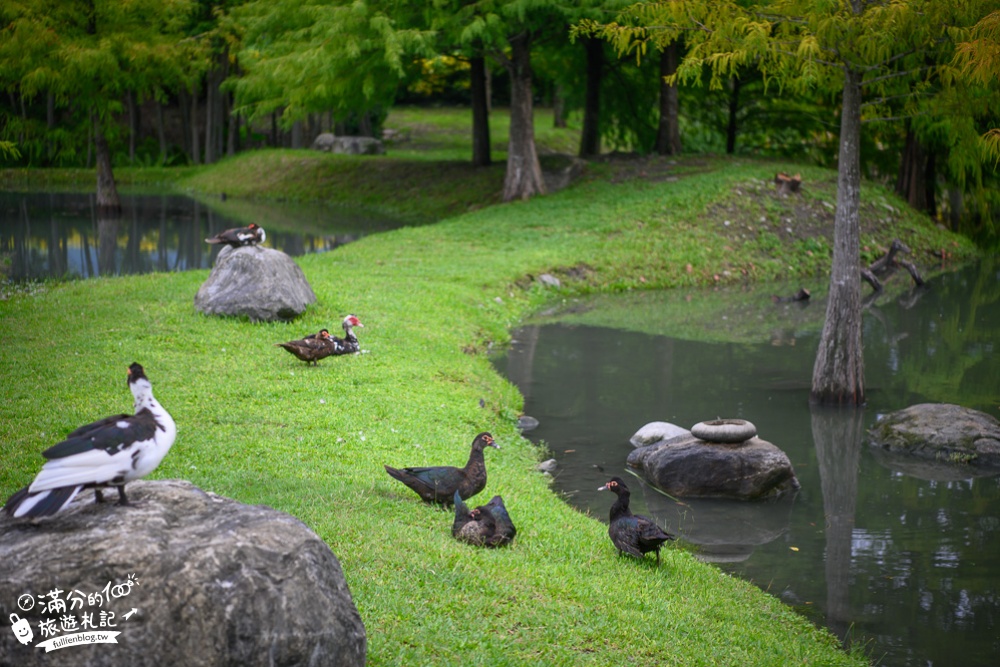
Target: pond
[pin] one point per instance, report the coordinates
(59, 235)
(903, 559)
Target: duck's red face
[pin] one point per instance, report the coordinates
(353, 321)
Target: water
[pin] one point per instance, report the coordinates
(903, 559)
(59, 235)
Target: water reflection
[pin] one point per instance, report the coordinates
(899, 555)
(61, 234)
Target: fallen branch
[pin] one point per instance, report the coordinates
(889, 262)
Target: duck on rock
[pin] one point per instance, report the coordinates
(109, 452)
(438, 484)
(632, 534)
(312, 348)
(252, 234)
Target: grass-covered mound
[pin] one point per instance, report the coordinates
(259, 426)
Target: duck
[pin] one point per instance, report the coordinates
(252, 234)
(438, 484)
(476, 526)
(488, 525)
(505, 530)
(109, 452)
(312, 348)
(349, 343)
(632, 534)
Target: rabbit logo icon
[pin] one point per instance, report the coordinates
(21, 628)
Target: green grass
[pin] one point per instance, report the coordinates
(259, 426)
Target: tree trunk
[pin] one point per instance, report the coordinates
(910, 180)
(195, 149)
(184, 102)
(480, 113)
(50, 122)
(524, 173)
(590, 135)
(211, 91)
(133, 124)
(734, 106)
(558, 107)
(838, 375)
(161, 133)
(297, 134)
(108, 203)
(668, 134)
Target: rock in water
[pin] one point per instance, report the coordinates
(262, 284)
(688, 467)
(940, 432)
(218, 583)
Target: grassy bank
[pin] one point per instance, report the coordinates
(259, 426)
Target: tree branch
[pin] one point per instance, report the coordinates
(887, 119)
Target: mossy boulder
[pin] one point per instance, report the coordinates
(940, 432)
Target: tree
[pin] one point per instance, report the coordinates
(315, 56)
(90, 54)
(862, 50)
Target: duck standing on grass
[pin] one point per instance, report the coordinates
(109, 452)
(633, 534)
(438, 484)
(252, 234)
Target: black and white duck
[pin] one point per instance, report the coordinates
(349, 343)
(252, 234)
(438, 484)
(632, 534)
(109, 452)
(312, 348)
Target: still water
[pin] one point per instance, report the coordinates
(903, 559)
(59, 235)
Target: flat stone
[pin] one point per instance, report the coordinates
(654, 432)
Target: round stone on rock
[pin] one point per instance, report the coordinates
(726, 431)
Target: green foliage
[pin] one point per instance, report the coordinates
(320, 55)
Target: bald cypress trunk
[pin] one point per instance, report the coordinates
(108, 202)
(838, 375)
(668, 135)
(590, 135)
(480, 113)
(524, 173)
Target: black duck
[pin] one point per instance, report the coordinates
(438, 484)
(633, 534)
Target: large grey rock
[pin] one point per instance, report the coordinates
(940, 432)
(262, 284)
(348, 145)
(220, 583)
(685, 466)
